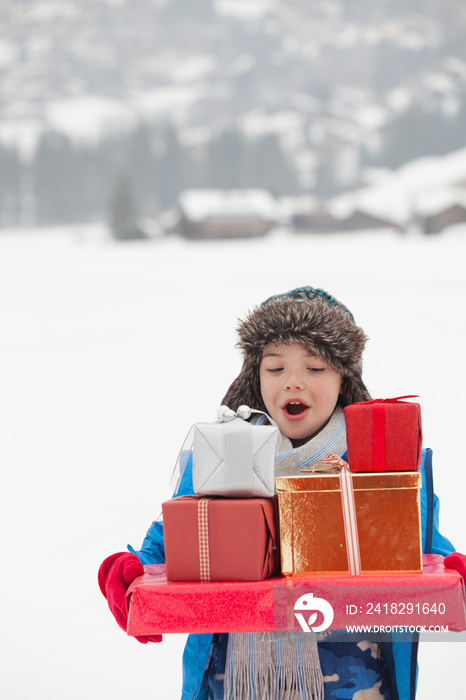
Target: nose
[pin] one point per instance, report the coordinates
(294, 380)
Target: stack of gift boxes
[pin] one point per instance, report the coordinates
(229, 530)
(243, 518)
(384, 440)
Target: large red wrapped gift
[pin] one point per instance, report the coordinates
(384, 435)
(220, 539)
(434, 597)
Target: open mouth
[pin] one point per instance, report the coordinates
(295, 408)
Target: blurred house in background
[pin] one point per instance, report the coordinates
(207, 214)
(314, 221)
(322, 220)
(446, 208)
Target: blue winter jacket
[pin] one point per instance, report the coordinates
(400, 653)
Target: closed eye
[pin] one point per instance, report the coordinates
(274, 370)
(316, 369)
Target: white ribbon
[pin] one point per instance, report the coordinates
(225, 414)
(349, 519)
(349, 511)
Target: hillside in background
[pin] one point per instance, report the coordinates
(292, 96)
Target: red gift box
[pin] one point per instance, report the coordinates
(220, 539)
(384, 435)
(434, 597)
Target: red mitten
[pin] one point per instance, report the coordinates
(116, 574)
(457, 561)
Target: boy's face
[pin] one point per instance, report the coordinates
(300, 391)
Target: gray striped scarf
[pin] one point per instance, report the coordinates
(283, 665)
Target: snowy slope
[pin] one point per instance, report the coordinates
(405, 192)
(110, 353)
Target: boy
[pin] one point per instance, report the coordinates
(302, 363)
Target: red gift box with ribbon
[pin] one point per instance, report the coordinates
(384, 435)
(220, 539)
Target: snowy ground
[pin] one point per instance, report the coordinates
(110, 353)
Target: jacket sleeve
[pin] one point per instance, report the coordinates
(153, 549)
(440, 544)
(433, 542)
(401, 653)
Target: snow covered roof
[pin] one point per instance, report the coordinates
(432, 203)
(198, 205)
(396, 195)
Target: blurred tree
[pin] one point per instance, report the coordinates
(415, 133)
(110, 157)
(174, 168)
(269, 167)
(234, 161)
(226, 162)
(326, 184)
(11, 172)
(57, 181)
(457, 131)
(123, 220)
(142, 167)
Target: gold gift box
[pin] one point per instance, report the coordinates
(312, 533)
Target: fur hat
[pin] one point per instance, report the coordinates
(316, 320)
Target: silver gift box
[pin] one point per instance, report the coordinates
(235, 459)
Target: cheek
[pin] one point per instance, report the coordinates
(334, 385)
(267, 390)
(328, 393)
(337, 389)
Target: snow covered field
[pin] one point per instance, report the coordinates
(109, 354)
